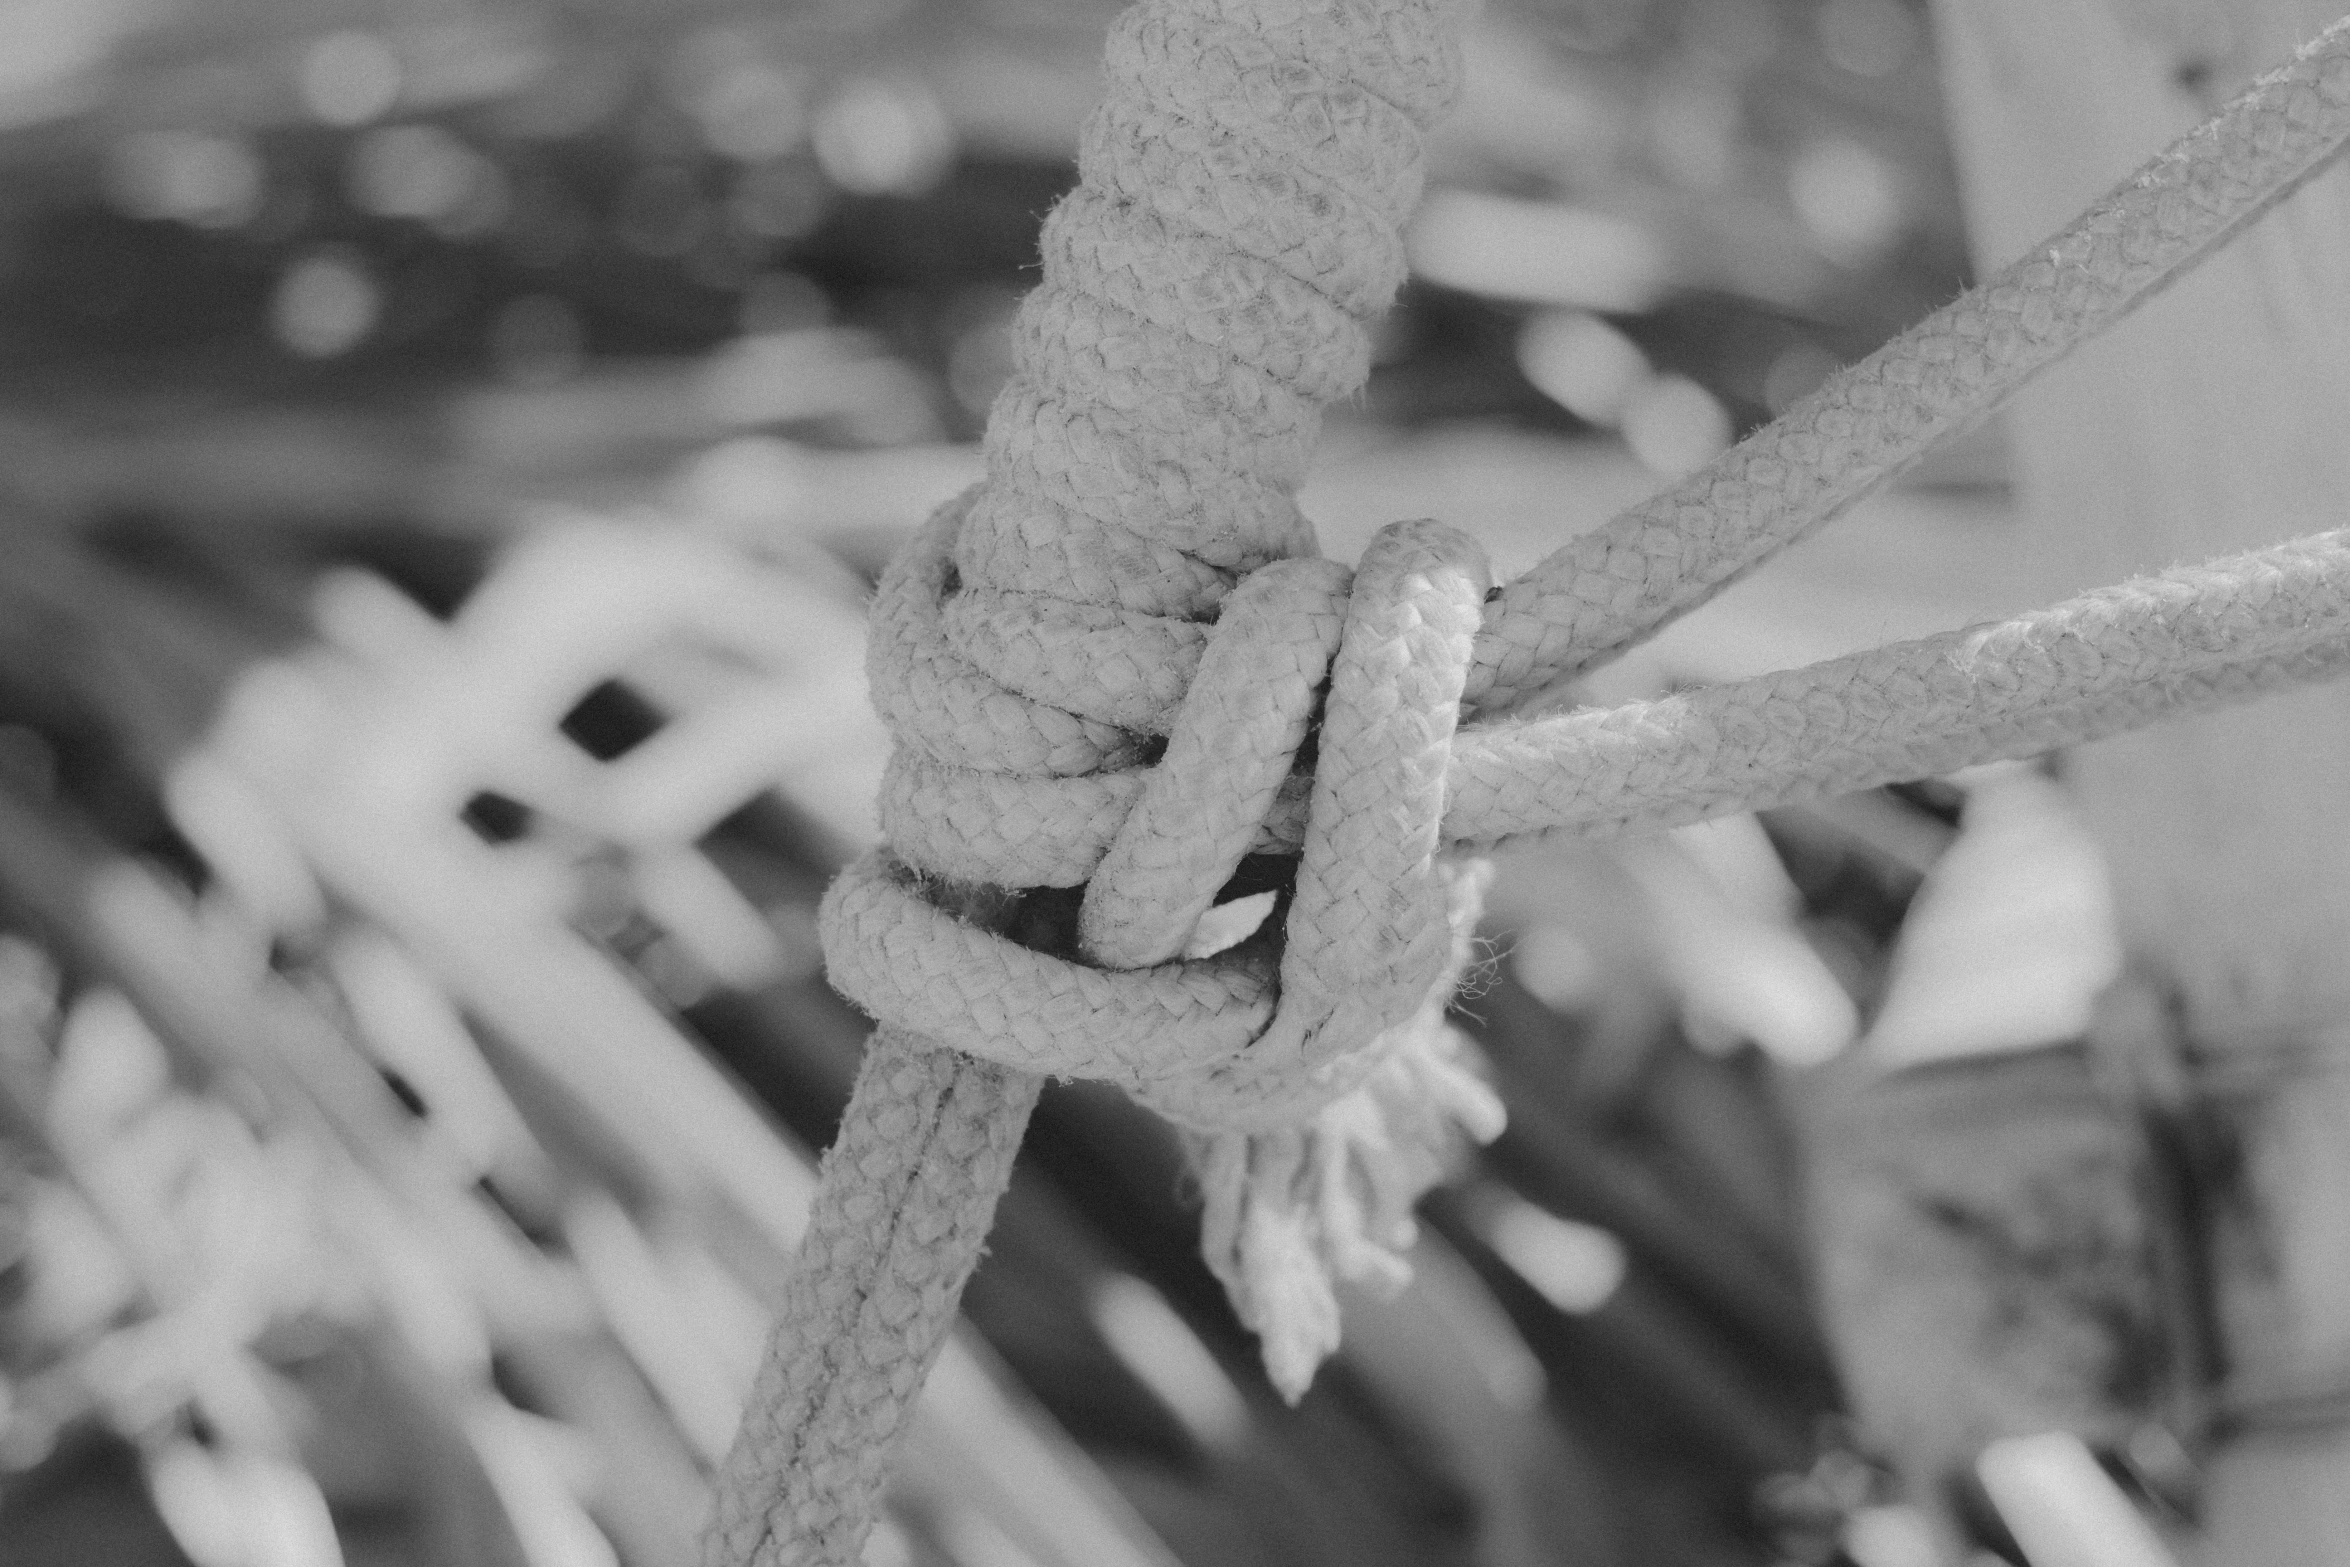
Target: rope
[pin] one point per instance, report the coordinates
(1104, 666)
(1624, 581)
(1206, 290)
(2179, 641)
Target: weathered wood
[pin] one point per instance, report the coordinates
(2218, 419)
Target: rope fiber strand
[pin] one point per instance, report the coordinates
(1101, 668)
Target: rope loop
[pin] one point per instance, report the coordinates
(1311, 1065)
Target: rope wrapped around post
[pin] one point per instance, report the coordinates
(1104, 665)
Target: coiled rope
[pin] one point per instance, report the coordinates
(1106, 666)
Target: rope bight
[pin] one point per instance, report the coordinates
(1118, 666)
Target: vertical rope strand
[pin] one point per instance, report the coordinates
(1207, 289)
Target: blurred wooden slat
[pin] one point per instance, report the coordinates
(2216, 419)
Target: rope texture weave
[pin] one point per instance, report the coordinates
(1207, 289)
(1621, 582)
(1102, 667)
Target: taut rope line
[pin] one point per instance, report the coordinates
(1133, 586)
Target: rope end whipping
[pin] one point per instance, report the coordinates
(1291, 1212)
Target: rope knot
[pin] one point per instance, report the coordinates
(1310, 1066)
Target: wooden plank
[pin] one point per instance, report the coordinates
(2217, 419)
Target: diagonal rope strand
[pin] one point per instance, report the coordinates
(1870, 421)
(2091, 666)
(1618, 584)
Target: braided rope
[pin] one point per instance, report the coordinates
(1133, 585)
(1622, 582)
(2154, 647)
(902, 1210)
(1206, 290)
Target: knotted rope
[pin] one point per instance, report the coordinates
(1321, 1093)
(1104, 667)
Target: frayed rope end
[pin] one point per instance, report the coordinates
(1290, 1212)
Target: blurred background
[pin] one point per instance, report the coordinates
(444, 446)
